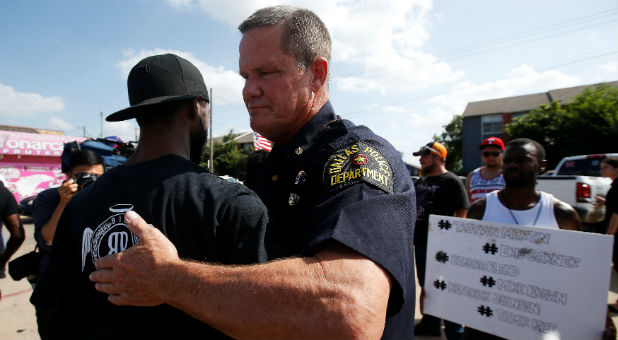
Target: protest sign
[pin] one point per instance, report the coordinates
(517, 282)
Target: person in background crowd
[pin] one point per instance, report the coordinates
(9, 215)
(84, 166)
(488, 177)
(519, 202)
(438, 192)
(340, 203)
(609, 168)
(204, 216)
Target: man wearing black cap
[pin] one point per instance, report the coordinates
(438, 192)
(340, 203)
(488, 177)
(205, 217)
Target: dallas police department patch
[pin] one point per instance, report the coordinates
(359, 162)
(110, 237)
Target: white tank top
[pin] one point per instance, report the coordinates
(480, 186)
(496, 212)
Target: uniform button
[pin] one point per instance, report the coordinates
(274, 178)
(298, 151)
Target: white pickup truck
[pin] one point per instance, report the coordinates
(576, 181)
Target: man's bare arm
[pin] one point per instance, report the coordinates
(461, 213)
(613, 224)
(337, 293)
(16, 238)
(468, 184)
(566, 216)
(477, 209)
(66, 191)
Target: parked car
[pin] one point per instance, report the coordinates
(576, 180)
(26, 205)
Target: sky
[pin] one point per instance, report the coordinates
(403, 68)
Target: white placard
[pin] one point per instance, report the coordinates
(517, 282)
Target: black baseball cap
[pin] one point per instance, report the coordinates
(432, 147)
(160, 79)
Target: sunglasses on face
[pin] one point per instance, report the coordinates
(428, 151)
(493, 153)
(425, 153)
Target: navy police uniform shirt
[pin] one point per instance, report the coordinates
(335, 181)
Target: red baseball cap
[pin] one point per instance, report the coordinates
(492, 141)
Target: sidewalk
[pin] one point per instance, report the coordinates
(16, 312)
(19, 321)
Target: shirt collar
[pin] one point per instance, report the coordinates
(307, 135)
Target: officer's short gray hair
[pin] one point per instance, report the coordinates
(305, 37)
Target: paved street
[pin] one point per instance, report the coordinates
(16, 312)
(19, 322)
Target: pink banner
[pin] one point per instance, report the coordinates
(25, 180)
(32, 144)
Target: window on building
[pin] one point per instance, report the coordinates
(491, 125)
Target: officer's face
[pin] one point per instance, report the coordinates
(277, 93)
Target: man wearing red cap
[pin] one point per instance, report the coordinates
(487, 178)
(438, 192)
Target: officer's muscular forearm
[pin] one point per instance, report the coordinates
(336, 294)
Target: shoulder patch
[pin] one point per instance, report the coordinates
(358, 162)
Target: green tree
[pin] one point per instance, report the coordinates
(451, 138)
(589, 124)
(228, 159)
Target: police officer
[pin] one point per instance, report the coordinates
(341, 210)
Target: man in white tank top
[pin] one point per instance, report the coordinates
(488, 177)
(519, 202)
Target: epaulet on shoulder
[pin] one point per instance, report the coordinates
(337, 125)
(477, 209)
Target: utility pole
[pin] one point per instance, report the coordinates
(101, 131)
(84, 130)
(211, 162)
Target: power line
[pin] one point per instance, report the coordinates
(525, 34)
(500, 46)
(512, 39)
(362, 112)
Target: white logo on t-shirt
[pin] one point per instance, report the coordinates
(109, 237)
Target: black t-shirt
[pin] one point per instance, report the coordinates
(437, 195)
(337, 182)
(8, 206)
(206, 217)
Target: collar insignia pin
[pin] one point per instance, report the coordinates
(300, 178)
